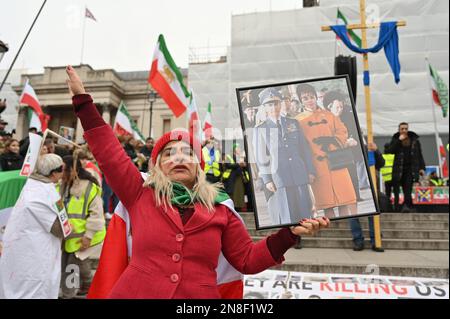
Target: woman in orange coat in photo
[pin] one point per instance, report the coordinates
(332, 188)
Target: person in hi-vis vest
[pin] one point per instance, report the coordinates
(212, 158)
(386, 171)
(236, 177)
(82, 197)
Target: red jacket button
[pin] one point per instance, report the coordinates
(179, 237)
(176, 257)
(174, 278)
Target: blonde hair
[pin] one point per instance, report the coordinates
(203, 192)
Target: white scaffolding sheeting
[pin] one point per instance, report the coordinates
(210, 83)
(289, 45)
(284, 46)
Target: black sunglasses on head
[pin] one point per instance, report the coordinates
(57, 170)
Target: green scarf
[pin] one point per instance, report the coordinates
(182, 196)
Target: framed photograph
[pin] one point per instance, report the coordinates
(306, 154)
(67, 133)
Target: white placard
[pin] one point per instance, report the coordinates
(32, 155)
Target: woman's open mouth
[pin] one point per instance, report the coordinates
(180, 168)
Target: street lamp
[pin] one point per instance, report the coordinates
(152, 98)
(3, 49)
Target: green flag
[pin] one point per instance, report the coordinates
(439, 91)
(343, 20)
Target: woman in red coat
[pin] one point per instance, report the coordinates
(178, 228)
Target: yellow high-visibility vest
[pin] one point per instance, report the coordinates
(215, 165)
(78, 211)
(437, 183)
(227, 173)
(386, 171)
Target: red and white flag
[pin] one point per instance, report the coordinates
(116, 253)
(166, 78)
(194, 124)
(30, 98)
(208, 127)
(439, 90)
(125, 125)
(444, 164)
(88, 14)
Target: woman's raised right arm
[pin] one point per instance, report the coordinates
(121, 174)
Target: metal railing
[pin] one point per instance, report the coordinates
(207, 55)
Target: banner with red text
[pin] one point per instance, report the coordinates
(274, 284)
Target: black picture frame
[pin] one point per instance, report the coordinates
(348, 92)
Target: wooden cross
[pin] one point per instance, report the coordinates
(363, 26)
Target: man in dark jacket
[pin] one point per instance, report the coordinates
(408, 164)
(146, 150)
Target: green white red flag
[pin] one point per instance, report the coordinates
(208, 126)
(125, 125)
(38, 118)
(342, 19)
(444, 164)
(439, 90)
(166, 78)
(194, 124)
(11, 184)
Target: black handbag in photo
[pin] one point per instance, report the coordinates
(340, 158)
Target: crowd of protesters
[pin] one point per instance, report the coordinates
(402, 166)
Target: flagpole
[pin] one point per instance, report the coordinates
(436, 132)
(21, 46)
(82, 37)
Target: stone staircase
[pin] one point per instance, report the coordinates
(414, 231)
(416, 245)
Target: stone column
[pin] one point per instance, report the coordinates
(21, 127)
(79, 133)
(106, 113)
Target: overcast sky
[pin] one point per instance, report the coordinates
(126, 32)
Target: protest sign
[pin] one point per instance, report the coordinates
(273, 284)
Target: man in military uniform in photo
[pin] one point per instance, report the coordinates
(289, 108)
(284, 161)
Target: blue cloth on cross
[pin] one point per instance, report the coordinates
(388, 39)
(366, 78)
(371, 158)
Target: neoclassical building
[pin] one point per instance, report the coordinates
(108, 88)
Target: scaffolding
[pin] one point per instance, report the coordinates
(200, 55)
